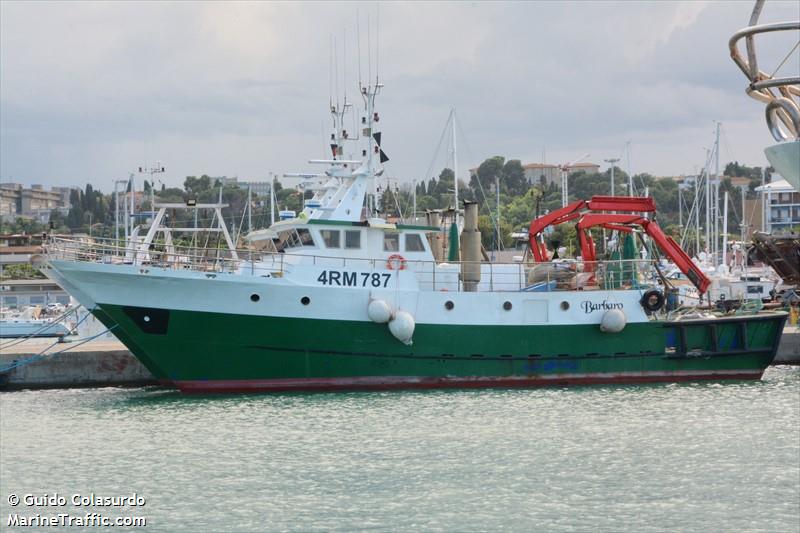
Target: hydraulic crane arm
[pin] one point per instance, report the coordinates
(676, 253)
(614, 221)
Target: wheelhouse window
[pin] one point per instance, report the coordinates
(293, 239)
(305, 237)
(331, 238)
(414, 243)
(352, 240)
(391, 242)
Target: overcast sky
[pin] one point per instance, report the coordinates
(90, 91)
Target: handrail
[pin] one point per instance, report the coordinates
(430, 275)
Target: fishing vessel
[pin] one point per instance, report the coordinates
(344, 300)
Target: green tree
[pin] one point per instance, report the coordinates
(194, 185)
(513, 179)
(481, 180)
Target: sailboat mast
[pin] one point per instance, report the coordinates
(414, 213)
(716, 194)
(271, 199)
(133, 208)
(455, 163)
(697, 214)
(724, 228)
(708, 204)
(744, 215)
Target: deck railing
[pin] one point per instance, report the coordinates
(431, 275)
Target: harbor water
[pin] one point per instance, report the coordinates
(677, 457)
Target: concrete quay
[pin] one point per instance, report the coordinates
(789, 348)
(98, 363)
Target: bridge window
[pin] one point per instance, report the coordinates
(293, 239)
(414, 243)
(305, 237)
(331, 238)
(352, 240)
(391, 242)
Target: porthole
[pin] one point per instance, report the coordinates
(305, 300)
(146, 318)
(564, 305)
(254, 297)
(449, 305)
(507, 306)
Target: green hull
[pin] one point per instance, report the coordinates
(200, 351)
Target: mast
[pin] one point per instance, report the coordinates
(414, 213)
(116, 212)
(497, 190)
(708, 204)
(271, 198)
(455, 164)
(628, 167)
(744, 215)
(716, 194)
(724, 228)
(132, 211)
(249, 208)
(697, 215)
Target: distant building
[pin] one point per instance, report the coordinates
(551, 173)
(534, 171)
(19, 293)
(35, 202)
(19, 249)
(260, 188)
(589, 168)
(225, 181)
(782, 205)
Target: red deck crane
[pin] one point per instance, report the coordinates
(585, 213)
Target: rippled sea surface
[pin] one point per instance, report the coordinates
(688, 457)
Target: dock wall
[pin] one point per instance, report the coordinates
(90, 365)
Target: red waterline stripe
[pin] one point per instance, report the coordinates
(405, 382)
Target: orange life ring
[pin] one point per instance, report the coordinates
(396, 261)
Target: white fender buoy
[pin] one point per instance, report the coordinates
(379, 311)
(402, 327)
(613, 321)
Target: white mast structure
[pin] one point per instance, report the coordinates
(716, 196)
(628, 167)
(708, 205)
(565, 177)
(455, 165)
(271, 198)
(725, 233)
(130, 221)
(612, 162)
(153, 170)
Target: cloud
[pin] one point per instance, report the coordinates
(92, 90)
